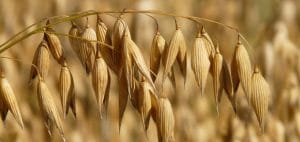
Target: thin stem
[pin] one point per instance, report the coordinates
(67, 35)
(22, 61)
(155, 20)
(21, 32)
(64, 18)
(176, 23)
(240, 36)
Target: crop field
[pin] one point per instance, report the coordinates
(150, 71)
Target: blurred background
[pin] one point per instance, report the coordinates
(270, 26)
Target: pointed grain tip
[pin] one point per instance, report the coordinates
(203, 30)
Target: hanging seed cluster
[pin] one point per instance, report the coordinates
(102, 50)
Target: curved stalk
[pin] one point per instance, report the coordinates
(55, 20)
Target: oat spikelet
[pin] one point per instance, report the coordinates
(137, 58)
(74, 32)
(260, 96)
(157, 49)
(54, 45)
(234, 74)
(100, 76)
(134, 96)
(182, 56)
(165, 121)
(41, 60)
(106, 96)
(101, 30)
(123, 96)
(144, 102)
(217, 71)
(67, 91)
(87, 48)
(228, 85)
(175, 49)
(200, 62)
(241, 69)
(81, 23)
(48, 108)
(103, 36)
(127, 65)
(117, 39)
(3, 110)
(9, 101)
(209, 44)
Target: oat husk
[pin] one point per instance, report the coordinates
(104, 37)
(241, 69)
(164, 119)
(157, 49)
(100, 80)
(260, 96)
(41, 61)
(48, 108)
(175, 50)
(74, 32)
(119, 29)
(144, 106)
(228, 85)
(67, 91)
(87, 48)
(200, 62)
(54, 44)
(9, 101)
(123, 96)
(217, 74)
(208, 44)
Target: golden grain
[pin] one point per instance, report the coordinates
(200, 62)
(87, 48)
(123, 96)
(41, 61)
(217, 71)
(144, 95)
(117, 40)
(157, 49)
(103, 36)
(54, 45)
(67, 91)
(164, 119)
(241, 69)
(74, 32)
(48, 107)
(228, 85)
(100, 76)
(177, 43)
(209, 44)
(9, 101)
(260, 96)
